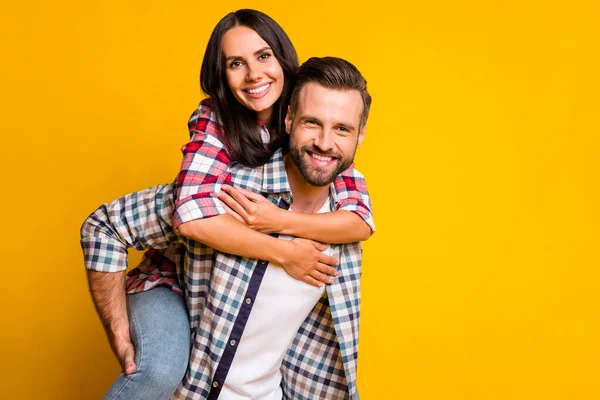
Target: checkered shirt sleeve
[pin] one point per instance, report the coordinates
(205, 167)
(352, 195)
(140, 220)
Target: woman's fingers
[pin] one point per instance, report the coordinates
(233, 204)
(229, 211)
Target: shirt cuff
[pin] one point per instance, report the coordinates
(359, 208)
(104, 255)
(192, 209)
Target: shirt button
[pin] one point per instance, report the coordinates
(215, 384)
(248, 300)
(232, 342)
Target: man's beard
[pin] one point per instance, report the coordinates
(314, 175)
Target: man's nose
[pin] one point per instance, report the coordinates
(324, 141)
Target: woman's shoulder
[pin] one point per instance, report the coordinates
(204, 110)
(205, 106)
(203, 119)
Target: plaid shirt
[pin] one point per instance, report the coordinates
(219, 288)
(321, 361)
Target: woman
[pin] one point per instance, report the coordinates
(247, 72)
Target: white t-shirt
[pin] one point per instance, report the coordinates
(281, 306)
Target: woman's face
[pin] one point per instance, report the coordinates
(253, 74)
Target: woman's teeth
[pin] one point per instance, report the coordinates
(259, 89)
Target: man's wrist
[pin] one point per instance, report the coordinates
(118, 327)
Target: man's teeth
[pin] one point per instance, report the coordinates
(259, 89)
(321, 158)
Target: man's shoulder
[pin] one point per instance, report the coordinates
(270, 176)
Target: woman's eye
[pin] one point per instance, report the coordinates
(235, 64)
(264, 56)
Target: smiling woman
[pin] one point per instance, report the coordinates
(247, 49)
(253, 74)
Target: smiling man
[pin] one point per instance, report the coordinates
(318, 151)
(290, 339)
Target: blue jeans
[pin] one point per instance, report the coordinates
(160, 332)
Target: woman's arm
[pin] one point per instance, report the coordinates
(333, 227)
(261, 215)
(351, 222)
(353, 196)
(302, 259)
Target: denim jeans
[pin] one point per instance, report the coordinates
(160, 332)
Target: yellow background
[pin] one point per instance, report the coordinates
(482, 150)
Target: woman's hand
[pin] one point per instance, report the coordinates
(303, 258)
(251, 209)
(306, 263)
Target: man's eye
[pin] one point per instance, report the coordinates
(310, 122)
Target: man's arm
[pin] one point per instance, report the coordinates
(108, 293)
(141, 220)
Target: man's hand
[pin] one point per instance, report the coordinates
(305, 262)
(123, 349)
(251, 209)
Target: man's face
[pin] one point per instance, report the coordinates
(324, 132)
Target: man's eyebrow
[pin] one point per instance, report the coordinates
(347, 125)
(257, 52)
(305, 118)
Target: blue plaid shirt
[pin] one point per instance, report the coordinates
(220, 290)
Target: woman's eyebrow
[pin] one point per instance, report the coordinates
(261, 50)
(257, 52)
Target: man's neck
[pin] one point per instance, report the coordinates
(307, 198)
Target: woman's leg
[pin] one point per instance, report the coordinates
(160, 332)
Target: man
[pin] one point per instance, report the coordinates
(326, 122)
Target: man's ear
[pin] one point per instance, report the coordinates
(361, 135)
(288, 120)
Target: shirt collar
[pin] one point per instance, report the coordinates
(275, 178)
